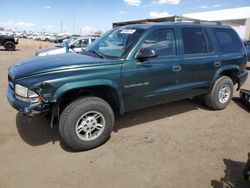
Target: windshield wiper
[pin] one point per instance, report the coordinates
(97, 53)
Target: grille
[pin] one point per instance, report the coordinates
(11, 82)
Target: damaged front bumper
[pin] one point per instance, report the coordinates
(245, 97)
(241, 79)
(26, 108)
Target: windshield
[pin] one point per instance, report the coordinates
(115, 43)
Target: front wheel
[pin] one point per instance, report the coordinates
(221, 93)
(86, 123)
(9, 46)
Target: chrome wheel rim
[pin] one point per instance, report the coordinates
(224, 94)
(90, 125)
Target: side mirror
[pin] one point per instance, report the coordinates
(72, 46)
(145, 53)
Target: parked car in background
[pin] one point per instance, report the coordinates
(247, 45)
(75, 36)
(58, 39)
(69, 45)
(7, 33)
(45, 38)
(19, 34)
(9, 42)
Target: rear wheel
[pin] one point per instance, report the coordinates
(86, 123)
(9, 46)
(221, 93)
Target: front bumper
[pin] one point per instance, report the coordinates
(17, 41)
(242, 78)
(245, 97)
(27, 108)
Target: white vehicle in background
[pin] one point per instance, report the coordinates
(8, 33)
(75, 45)
(19, 34)
(45, 38)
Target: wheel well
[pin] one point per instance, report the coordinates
(8, 40)
(231, 74)
(104, 92)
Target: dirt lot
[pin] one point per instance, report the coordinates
(181, 144)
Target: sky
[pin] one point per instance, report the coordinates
(87, 16)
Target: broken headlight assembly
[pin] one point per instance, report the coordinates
(25, 94)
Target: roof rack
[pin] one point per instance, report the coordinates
(185, 19)
(165, 19)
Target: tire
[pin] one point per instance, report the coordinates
(245, 174)
(246, 177)
(9, 46)
(82, 119)
(221, 93)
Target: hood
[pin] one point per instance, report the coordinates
(47, 49)
(44, 64)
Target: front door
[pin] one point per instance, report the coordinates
(154, 80)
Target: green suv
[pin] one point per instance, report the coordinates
(128, 68)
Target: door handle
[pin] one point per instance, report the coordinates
(217, 64)
(176, 68)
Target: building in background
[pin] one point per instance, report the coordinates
(238, 18)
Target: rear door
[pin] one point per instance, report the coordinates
(231, 49)
(199, 61)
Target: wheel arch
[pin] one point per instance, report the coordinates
(107, 90)
(7, 40)
(231, 71)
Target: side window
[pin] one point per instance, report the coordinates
(81, 43)
(85, 42)
(194, 41)
(162, 41)
(228, 40)
(78, 43)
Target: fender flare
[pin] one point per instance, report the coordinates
(93, 83)
(222, 69)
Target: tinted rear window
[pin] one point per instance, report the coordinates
(228, 40)
(194, 41)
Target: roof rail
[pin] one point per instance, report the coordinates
(185, 19)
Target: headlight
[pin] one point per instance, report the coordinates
(25, 94)
(21, 91)
(42, 54)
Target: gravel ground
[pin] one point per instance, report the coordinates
(181, 144)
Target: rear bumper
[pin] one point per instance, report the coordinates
(27, 108)
(241, 78)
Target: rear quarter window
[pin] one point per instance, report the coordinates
(194, 41)
(228, 40)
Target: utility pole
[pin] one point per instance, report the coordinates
(73, 22)
(61, 27)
